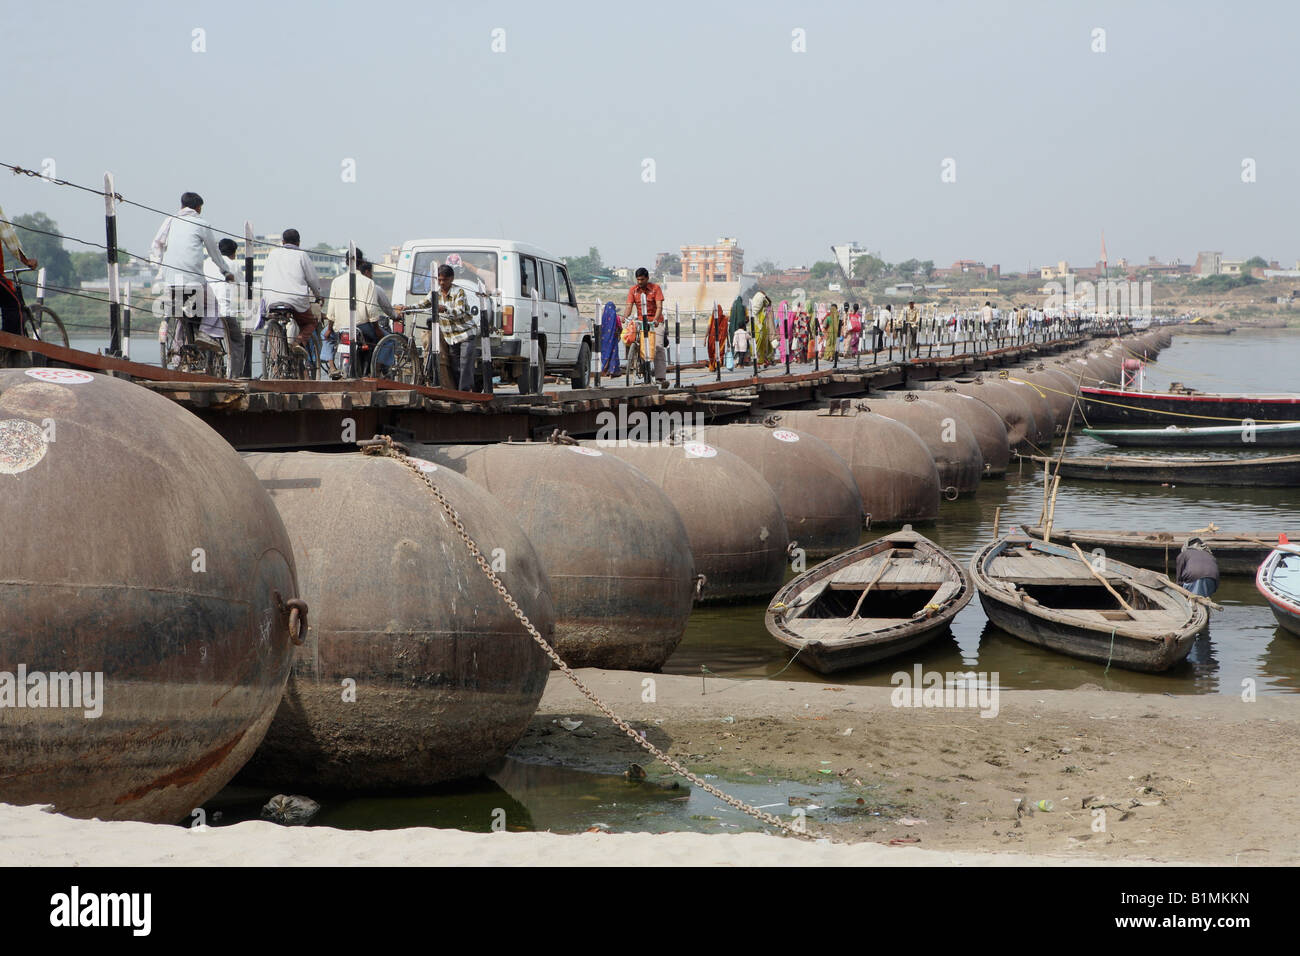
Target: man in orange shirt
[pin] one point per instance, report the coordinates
(653, 313)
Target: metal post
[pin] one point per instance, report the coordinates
(677, 345)
(786, 332)
(534, 379)
(485, 350)
(126, 321)
(352, 308)
(247, 370)
(722, 350)
(40, 286)
(114, 306)
(600, 346)
(695, 354)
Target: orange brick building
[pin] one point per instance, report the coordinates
(721, 262)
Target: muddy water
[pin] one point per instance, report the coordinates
(1242, 643)
(526, 797)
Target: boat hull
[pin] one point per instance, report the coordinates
(1233, 556)
(1282, 471)
(1284, 605)
(825, 659)
(1260, 436)
(1112, 406)
(1129, 653)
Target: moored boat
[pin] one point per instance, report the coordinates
(1276, 471)
(875, 601)
(1278, 579)
(1276, 435)
(1184, 406)
(1101, 610)
(1236, 552)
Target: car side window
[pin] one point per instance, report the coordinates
(562, 286)
(527, 276)
(548, 281)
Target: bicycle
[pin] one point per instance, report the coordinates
(39, 321)
(189, 353)
(280, 358)
(638, 366)
(396, 356)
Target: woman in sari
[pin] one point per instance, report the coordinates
(609, 334)
(717, 338)
(832, 334)
(799, 340)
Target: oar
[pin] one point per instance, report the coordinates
(1199, 599)
(889, 559)
(1101, 577)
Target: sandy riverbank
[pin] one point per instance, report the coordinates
(1213, 777)
(1190, 778)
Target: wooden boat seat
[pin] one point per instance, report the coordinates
(839, 629)
(902, 574)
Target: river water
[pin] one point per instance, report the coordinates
(1242, 644)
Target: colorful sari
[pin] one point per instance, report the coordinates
(832, 336)
(717, 338)
(764, 352)
(609, 335)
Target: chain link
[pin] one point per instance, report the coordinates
(384, 445)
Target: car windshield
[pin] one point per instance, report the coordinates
(468, 266)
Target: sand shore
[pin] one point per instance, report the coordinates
(1180, 780)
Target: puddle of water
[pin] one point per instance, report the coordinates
(527, 797)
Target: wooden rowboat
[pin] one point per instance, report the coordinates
(1277, 471)
(1277, 435)
(1278, 579)
(870, 603)
(1236, 552)
(1106, 611)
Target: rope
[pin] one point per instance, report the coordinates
(383, 445)
(19, 170)
(1111, 652)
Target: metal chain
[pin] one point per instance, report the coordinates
(384, 445)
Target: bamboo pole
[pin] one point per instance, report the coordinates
(1101, 577)
(1051, 509)
(997, 522)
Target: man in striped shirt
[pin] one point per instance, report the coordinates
(459, 351)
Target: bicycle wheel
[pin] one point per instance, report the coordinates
(297, 362)
(399, 364)
(46, 325)
(275, 352)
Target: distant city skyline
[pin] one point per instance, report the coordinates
(1009, 133)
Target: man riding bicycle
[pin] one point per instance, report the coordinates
(369, 330)
(289, 276)
(11, 297)
(178, 248)
(649, 315)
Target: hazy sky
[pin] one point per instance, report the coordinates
(788, 151)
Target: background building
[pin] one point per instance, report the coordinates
(721, 262)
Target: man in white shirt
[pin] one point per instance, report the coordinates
(222, 321)
(290, 277)
(178, 248)
(368, 312)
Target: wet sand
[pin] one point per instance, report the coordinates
(1206, 779)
